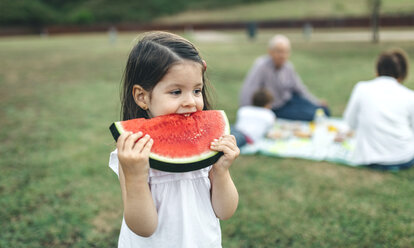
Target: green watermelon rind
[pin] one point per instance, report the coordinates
(173, 167)
(116, 130)
(178, 164)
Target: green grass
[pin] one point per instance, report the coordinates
(58, 96)
(288, 9)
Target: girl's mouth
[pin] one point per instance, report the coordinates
(187, 114)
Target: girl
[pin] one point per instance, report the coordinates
(165, 74)
(381, 111)
(254, 121)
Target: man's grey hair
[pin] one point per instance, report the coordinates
(278, 39)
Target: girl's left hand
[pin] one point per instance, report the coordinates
(227, 145)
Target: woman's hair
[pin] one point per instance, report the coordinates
(149, 61)
(393, 63)
(262, 97)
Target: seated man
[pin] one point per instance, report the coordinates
(274, 72)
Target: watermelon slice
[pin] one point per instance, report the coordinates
(181, 142)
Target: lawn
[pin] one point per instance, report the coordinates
(58, 96)
(289, 9)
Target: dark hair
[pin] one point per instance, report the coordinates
(149, 61)
(262, 97)
(393, 63)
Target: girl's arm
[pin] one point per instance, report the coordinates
(139, 210)
(224, 194)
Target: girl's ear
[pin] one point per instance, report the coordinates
(141, 96)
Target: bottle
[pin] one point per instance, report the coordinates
(319, 117)
(320, 137)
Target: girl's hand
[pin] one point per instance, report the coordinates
(133, 155)
(227, 145)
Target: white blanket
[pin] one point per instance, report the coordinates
(292, 142)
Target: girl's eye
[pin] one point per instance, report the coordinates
(175, 92)
(197, 91)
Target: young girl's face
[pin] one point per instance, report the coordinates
(179, 91)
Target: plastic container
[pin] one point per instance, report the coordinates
(321, 137)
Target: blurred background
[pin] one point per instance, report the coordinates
(61, 64)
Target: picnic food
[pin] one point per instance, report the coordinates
(181, 142)
(302, 134)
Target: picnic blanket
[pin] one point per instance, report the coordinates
(300, 139)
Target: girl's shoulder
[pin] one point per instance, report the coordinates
(255, 110)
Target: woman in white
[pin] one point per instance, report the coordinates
(381, 111)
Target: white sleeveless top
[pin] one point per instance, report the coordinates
(185, 214)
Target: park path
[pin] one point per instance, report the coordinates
(320, 35)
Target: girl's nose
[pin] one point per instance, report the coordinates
(189, 101)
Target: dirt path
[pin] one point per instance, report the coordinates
(316, 36)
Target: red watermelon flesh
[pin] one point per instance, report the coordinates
(181, 143)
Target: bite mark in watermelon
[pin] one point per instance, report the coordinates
(181, 143)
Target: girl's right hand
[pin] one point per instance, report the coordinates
(133, 153)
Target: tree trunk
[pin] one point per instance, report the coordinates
(375, 20)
